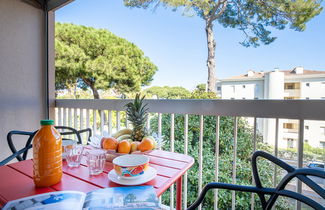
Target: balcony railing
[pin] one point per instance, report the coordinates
(84, 113)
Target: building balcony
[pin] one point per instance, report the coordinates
(108, 116)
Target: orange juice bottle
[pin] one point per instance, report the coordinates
(47, 155)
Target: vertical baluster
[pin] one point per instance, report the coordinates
(118, 121)
(233, 196)
(172, 138)
(60, 116)
(75, 119)
(110, 122)
(148, 122)
(126, 121)
(254, 149)
(159, 136)
(276, 150)
(159, 127)
(87, 119)
(185, 152)
(81, 123)
(56, 122)
(94, 121)
(300, 157)
(64, 117)
(70, 122)
(216, 172)
(101, 122)
(200, 156)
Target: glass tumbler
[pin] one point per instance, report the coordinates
(96, 160)
(73, 155)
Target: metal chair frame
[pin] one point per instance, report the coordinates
(267, 204)
(21, 154)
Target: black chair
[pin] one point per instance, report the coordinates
(21, 154)
(66, 131)
(300, 173)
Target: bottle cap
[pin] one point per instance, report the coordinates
(47, 122)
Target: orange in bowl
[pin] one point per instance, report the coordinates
(124, 147)
(131, 166)
(109, 143)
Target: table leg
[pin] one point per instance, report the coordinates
(179, 193)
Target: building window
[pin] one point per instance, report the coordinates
(290, 143)
(307, 84)
(288, 125)
(307, 98)
(291, 86)
(322, 130)
(306, 127)
(256, 98)
(322, 144)
(218, 88)
(244, 86)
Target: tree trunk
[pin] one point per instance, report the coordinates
(95, 92)
(211, 56)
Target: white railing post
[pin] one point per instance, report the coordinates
(300, 157)
(216, 170)
(233, 195)
(118, 121)
(172, 138)
(185, 152)
(254, 149)
(94, 121)
(200, 157)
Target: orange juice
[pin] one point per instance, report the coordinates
(47, 155)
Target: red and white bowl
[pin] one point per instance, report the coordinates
(131, 166)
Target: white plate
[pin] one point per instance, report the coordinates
(146, 177)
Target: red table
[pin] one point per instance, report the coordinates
(16, 179)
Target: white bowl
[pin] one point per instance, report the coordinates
(130, 166)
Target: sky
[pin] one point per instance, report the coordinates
(177, 43)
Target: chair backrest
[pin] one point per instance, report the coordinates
(274, 193)
(299, 173)
(29, 135)
(66, 133)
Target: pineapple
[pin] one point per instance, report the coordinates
(137, 114)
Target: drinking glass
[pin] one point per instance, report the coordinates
(73, 155)
(96, 161)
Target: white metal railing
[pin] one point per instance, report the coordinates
(106, 110)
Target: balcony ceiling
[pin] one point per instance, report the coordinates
(48, 5)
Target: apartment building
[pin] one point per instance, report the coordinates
(280, 84)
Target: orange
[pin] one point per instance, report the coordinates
(145, 145)
(124, 146)
(109, 143)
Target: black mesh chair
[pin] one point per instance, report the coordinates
(21, 154)
(300, 173)
(66, 132)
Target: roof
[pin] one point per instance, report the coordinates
(257, 75)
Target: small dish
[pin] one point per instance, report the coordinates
(150, 174)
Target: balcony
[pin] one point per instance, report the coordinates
(108, 116)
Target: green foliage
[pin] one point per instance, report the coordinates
(98, 59)
(244, 152)
(167, 92)
(254, 18)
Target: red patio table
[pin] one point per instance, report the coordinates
(16, 180)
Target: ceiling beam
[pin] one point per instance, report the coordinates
(56, 4)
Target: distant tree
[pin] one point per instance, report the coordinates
(253, 17)
(98, 59)
(167, 92)
(129, 198)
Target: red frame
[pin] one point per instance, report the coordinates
(16, 179)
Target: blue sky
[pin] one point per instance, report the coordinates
(177, 44)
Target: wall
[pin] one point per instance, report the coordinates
(22, 82)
